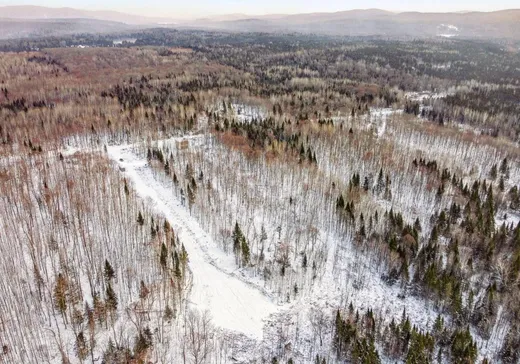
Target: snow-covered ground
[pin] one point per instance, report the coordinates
(246, 113)
(447, 30)
(234, 304)
(447, 35)
(507, 217)
(241, 302)
(379, 118)
(234, 298)
(426, 95)
(242, 112)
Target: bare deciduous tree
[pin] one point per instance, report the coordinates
(198, 336)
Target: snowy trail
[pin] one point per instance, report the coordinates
(234, 304)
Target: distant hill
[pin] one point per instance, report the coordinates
(42, 12)
(40, 21)
(369, 22)
(29, 28)
(498, 24)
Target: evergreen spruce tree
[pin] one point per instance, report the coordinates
(237, 240)
(140, 219)
(127, 191)
(245, 251)
(183, 256)
(340, 202)
(191, 196)
(167, 227)
(366, 185)
(60, 294)
(493, 172)
(81, 346)
(463, 348)
(108, 271)
(504, 168)
(380, 185)
(164, 256)
(143, 341)
(111, 298)
(168, 313)
(143, 291)
(177, 266)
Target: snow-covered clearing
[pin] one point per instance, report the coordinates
(426, 95)
(447, 30)
(234, 304)
(243, 301)
(379, 118)
(447, 35)
(242, 112)
(234, 298)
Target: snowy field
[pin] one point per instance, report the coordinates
(235, 305)
(239, 302)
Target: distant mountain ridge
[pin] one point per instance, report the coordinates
(42, 12)
(358, 22)
(375, 22)
(37, 28)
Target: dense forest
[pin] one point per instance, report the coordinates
(210, 197)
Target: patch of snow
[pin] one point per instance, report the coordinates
(380, 118)
(242, 113)
(121, 40)
(447, 35)
(425, 95)
(508, 217)
(451, 27)
(447, 30)
(442, 66)
(234, 304)
(68, 151)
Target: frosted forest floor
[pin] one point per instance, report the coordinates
(235, 304)
(240, 304)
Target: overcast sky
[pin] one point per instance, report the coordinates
(190, 8)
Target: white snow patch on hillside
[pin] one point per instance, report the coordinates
(246, 113)
(451, 27)
(447, 30)
(379, 117)
(426, 95)
(507, 217)
(234, 304)
(242, 112)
